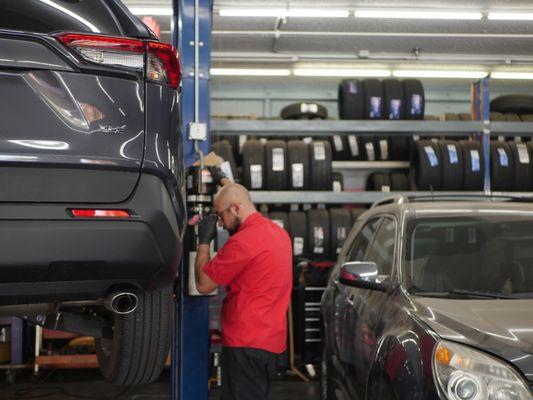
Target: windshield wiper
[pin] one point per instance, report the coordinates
(463, 293)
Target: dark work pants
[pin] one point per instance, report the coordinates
(247, 373)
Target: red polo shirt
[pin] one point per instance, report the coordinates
(255, 265)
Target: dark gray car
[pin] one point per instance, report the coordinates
(432, 299)
(91, 178)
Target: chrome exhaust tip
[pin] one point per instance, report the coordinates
(122, 302)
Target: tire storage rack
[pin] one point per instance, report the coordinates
(312, 208)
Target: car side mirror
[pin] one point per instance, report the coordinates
(363, 274)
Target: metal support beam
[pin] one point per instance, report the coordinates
(192, 37)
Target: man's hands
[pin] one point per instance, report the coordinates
(207, 229)
(217, 175)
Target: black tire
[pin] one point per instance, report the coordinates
(281, 218)
(523, 168)
(339, 147)
(400, 147)
(297, 165)
(383, 146)
(318, 234)
(399, 181)
(298, 233)
(430, 118)
(304, 110)
(514, 103)
(526, 117)
(426, 166)
(465, 116)
(320, 165)
(235, 146)
(356, 212)
(337, 182)
(449, 117)
(474, 165)
(138, 350)
(373, 90)
(355, 149)
(340, 223)
(351, 100)
(378, 181)
(501, 167)
(276, 165)
(415, 101)
(512, 117)
(225, 150)
(496, 116)
(253, 165)
(452, 165)
(394, 99)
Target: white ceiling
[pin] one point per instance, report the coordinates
(238, 40)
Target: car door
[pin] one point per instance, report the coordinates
(363, 325)
(342, 294)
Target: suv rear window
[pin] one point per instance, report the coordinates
(47, 16)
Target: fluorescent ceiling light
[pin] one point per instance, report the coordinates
(151, 10)
(511, 16)
(416, 14)
(283, 12)
(439, 74)
(341, 72)
(511, 75)
(250, 72)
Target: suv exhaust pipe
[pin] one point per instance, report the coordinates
(122, 302)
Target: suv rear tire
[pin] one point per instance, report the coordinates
(137, 353)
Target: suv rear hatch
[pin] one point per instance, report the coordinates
(72, 107)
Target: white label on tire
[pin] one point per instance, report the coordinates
(523, 155)
(256, 176)
(416, 137)
(474, 156)
(226, 168)
(341, 234)
(375, 107)
(504, 160)
(242, 140)
(384, 149)
(189, 181)
(472, 235)
(432, 157)
(385, 188)
(501, 138)
(307, 140)
(206, 176)
(517, 139)
(452, 154)
(395, 107)
(278, 159)
(298, 246)
(308, 108)
(318, 235)
(370, 153)
(337, 142)
(320, 151)
(354, 147)
(416, 104)
(263, 140)
(337, 187)
(279, 222)
(352, 87)
(297, 175)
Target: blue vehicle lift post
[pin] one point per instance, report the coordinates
(190, 350)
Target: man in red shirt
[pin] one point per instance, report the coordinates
(255, 266)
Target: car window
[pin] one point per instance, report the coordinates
(381, 250)
(362, 241)
(46, 16)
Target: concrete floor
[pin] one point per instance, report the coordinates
(87, 385)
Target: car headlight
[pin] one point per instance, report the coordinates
(463, 373)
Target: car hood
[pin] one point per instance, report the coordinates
(501, 327)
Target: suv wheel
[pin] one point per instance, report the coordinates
(138, 350)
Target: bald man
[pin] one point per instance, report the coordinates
(255, 267)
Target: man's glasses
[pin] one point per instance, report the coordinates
(219, 214)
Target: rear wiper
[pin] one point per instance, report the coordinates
(464, 293)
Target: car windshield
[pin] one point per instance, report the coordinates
(483, 256)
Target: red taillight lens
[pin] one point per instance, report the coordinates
(163, 65)
(92, 213)
(106, 50)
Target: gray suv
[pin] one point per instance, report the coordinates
(92, 206)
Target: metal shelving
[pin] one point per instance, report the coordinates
(369, 165)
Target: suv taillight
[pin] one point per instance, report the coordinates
(162, 59)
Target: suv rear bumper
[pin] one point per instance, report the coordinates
(48, 256)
